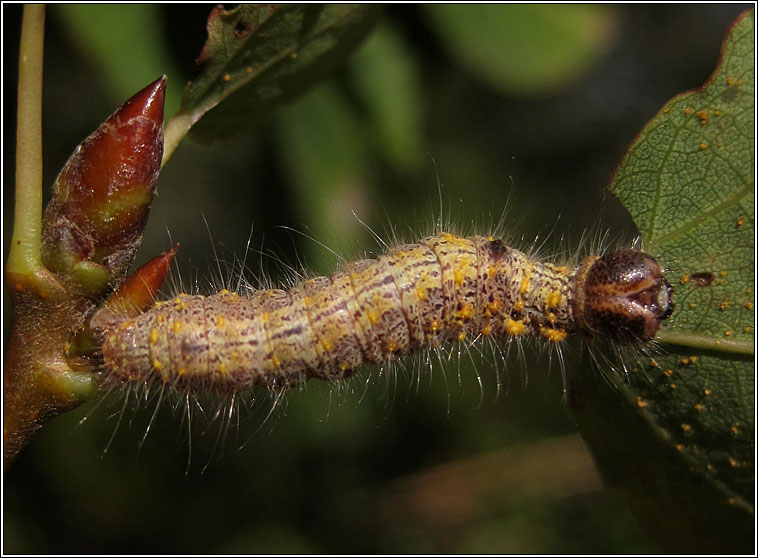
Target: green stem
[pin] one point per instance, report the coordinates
(175, 130)
(709, 343)
(24, 257)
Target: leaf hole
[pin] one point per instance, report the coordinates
(241, 30)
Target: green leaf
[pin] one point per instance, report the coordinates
(261, 55)
(388, 80)
(324, 150)
(682, 447)
(525, 50)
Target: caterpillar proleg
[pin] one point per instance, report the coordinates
(442, 289)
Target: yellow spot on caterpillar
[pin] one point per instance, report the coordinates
(177, 326)
(434, 326)
(222, 368)
(491, 271)
(160, 318)
(157, 364)
(420, 293)
(181, 371)
(703, 146)
(461, 336)
(740, 221)
(554, 299)
(374, 317)
(554, 335)
(327, 345)
(703, 116)
(684, 279)
(344, 366)
(459, 276)
(707, 391)
(514, 328)
(391, 348)
(551, 317)
(724, 305)
(668, 372)
(265, 317)
(524, 285)
(276, 362)
(518, 306)
(728, 332)
(219, 321)
(466, 312)
(153, 336)
(492, 308)
(486, 330)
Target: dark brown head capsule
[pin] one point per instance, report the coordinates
(623, 296)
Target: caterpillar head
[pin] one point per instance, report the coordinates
(623, 296)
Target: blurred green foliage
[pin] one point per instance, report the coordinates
(320, 475)
(528, 49)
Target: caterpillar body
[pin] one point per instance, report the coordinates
(444, 288)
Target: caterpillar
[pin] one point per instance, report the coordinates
(444, 288)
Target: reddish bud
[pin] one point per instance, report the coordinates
(137, 293)
(102, 196)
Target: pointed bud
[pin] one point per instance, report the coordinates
(102, 196)
(135, 295)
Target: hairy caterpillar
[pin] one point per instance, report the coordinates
(445, 288)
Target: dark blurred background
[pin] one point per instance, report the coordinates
(529, 105)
